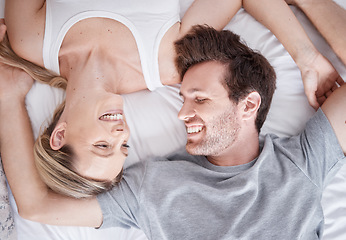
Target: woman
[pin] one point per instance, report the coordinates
(133, 50)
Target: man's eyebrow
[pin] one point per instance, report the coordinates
(192, 90)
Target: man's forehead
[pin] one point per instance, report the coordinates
(189, 91)
(209, 69)
(203, 78)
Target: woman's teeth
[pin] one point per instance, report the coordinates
(112, 117)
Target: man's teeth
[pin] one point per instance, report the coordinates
(112, 117)
(194, 129)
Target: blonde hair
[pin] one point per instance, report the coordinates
(55, 166)
(8, 57)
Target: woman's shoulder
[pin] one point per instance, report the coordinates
(25, 21)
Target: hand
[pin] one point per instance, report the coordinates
(320, 79)
(14, 83)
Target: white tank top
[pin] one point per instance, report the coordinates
(148, 21)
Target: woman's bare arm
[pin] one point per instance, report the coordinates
(25, 22)
(216, 14)
(319, 76)
(34, 200)
(330, 20)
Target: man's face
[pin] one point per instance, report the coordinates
(211, 119)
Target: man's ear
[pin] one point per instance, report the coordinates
(251, 104)
(57, 139)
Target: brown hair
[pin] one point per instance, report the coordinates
(248, 70)
(55, 167)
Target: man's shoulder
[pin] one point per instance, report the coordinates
(183, 155)
(317, 121)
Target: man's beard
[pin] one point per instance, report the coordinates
(221, 132)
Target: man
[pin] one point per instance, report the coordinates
(241, 189)
(246, 191)
(234, 188)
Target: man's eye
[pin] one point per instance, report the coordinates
(199, 100)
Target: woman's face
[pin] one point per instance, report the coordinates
(97, 132)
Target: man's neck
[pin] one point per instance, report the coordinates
(243, 152)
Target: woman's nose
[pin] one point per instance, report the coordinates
(118, 128)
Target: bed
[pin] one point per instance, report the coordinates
(155, 130)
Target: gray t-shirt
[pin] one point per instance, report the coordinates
(276, 196)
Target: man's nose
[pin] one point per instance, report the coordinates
(187, 111)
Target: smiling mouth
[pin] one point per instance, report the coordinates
(111, 117)
(194, 129)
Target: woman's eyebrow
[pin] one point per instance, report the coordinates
(103, 155)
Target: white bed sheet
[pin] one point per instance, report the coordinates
(155, 129)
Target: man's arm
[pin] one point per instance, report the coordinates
(330, 20)
(335, 110)
(34, 200)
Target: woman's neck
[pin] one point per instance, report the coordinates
(86, 71)
(87, 47)
(90, 68)
(97, 65)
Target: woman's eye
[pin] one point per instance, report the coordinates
(102, 145)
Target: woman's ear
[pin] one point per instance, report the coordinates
(251, 104)
(57, 139)
(2, 29)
